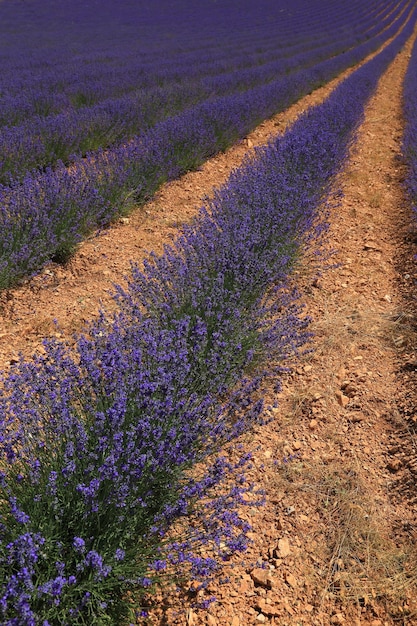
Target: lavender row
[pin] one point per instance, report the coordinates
(409, 145)
(96, 443)
(40, 142)
(63, 88)
(47, 214)
(47, 85)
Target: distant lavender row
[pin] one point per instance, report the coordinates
(41, 141)
(62, 87)
(42, 80)
(95, 445)
(409, 145)
(47, 214)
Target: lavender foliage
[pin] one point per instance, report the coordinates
(45, 214)
(409, 143)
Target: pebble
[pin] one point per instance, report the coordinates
(291, 580)
(283, 548)
(342, 400)
(265, 607)
(261, 577)
(394, 465)
(356, 417)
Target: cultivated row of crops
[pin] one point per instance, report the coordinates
(97, 442)
(410, 133)
(50, 81)
(46, 212)
(140, 98)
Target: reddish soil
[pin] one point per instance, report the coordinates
(336, 535)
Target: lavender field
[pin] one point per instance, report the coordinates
(99, 106)
(89, 136)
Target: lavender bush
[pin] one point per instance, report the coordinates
(97, 443)
(409, 145)
(44, 216)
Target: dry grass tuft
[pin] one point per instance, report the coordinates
(361, 562)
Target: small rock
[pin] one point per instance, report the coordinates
(297, 445)
(308, 368)
(313, 424)
(342, 400)
(356, 417)
(261, 618)
(249, 143)
(211, 621)
(337, 619)
(261, 577)
(371, 245)
(235, 621)
(291, 580)
(124, 220)
(191, 618)
(376, 622)
(394, 465)
(261, 605)
(283, 548)
(349, 389)
(288, 608)
(271, 611)
(287, 450)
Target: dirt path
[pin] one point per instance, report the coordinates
(72, 295)
(335, 542)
